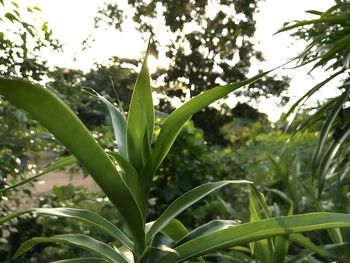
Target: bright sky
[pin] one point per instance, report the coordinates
(72, 22)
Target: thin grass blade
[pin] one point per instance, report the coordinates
(119, 126)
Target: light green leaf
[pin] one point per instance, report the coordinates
(185, 201)
(53, 114)
(140, 119)
(254, 231)
(175, 230)
(131, 176)
(57, 165)
(89, 218)
(308, 94)
(82, 241)
(207, 228)
(119, 126)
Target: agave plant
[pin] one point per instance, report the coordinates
(126, 177)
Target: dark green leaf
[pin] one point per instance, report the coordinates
(82, 241)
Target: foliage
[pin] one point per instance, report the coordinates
(131, 171)
(328, 47)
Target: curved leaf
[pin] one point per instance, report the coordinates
(131, 176)
(254, 231)
(90, 218)
(185, 201)
(119, 126)
(57, 165)
(82, 241)
(177, 119)
(53, 114)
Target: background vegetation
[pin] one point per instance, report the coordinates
(300, 166)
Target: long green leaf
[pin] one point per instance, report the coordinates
(90, 218)
(119, 126)
(140, 119)
(207, 228)
(57, 165)
(177, 119)
(82, 241)
(82, 260)
(185, 201)
(53, 114)
(130, 173)
(254, 231)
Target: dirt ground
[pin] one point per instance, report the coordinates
(61, 178)
(48, 181)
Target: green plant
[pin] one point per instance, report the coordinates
(125, 177)
(328, 48)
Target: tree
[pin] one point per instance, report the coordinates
(21, 42)
(209, 43)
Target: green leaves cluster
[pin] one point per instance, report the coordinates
(126, 177)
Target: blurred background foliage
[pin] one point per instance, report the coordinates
(221, 142)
